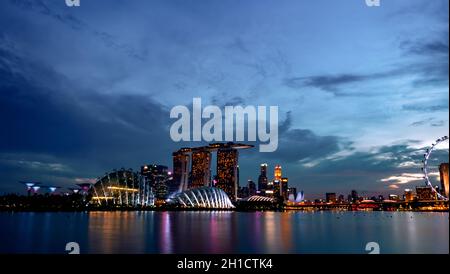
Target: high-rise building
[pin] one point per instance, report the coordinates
(443, 172)
(161, 188)
(330, 197)
(341, 199)
(262, 179)
(180, 169)
(276, 188)
(277, 173)
(409, 195)
(425, 193)
(284, 188)
(227, 171)
(157, 179)
(153, 172)
(251, 188)
(201, 168)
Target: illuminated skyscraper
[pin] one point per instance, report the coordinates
(277, 174)
(180, 169)
(262, 179)
(409, 195)
(201, 168)
(157, 179)
(227, 171)
(277, 188)
(443, 172)
(284, 188)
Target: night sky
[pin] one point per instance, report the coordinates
(361, 91)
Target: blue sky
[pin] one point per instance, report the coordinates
(361, 91)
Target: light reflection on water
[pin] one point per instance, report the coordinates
(225, 232)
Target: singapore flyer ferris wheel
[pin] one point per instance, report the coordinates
(426, 168)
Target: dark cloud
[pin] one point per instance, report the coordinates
(225, 100)
(438, 47)
(40, 7)
(55, 124)
(425, 107)
(295, 144)
(431, 69)
(325, 82)
(429, 121)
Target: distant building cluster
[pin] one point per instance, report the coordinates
(191, 184)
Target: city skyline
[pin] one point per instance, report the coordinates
(95, 94)
(191, 169)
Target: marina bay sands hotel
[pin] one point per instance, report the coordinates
(199, 160)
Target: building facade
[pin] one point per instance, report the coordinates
(443, 172)
(227, 171)
(201, 168)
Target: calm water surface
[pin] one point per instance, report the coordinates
(224, 232)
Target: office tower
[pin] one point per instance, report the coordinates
(152, 173)
(409, 195)
(425, 193)
(330, 197)
(277, 188)
(201, 168)
(277, 173)
(284, 188)
(341, 198)
(262, 179)
(443, 172)
(227, 171)
(251, 188)
(180, 170)
(161, 188)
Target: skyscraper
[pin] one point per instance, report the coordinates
(201, 168)
(409, 195)
(277, 188)
(153, 172)
(227, 171)
(262, 179)
(284, 188)
(156, 179)
(277, 173)
(443, 172)
(180, 169)
(251, 188)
